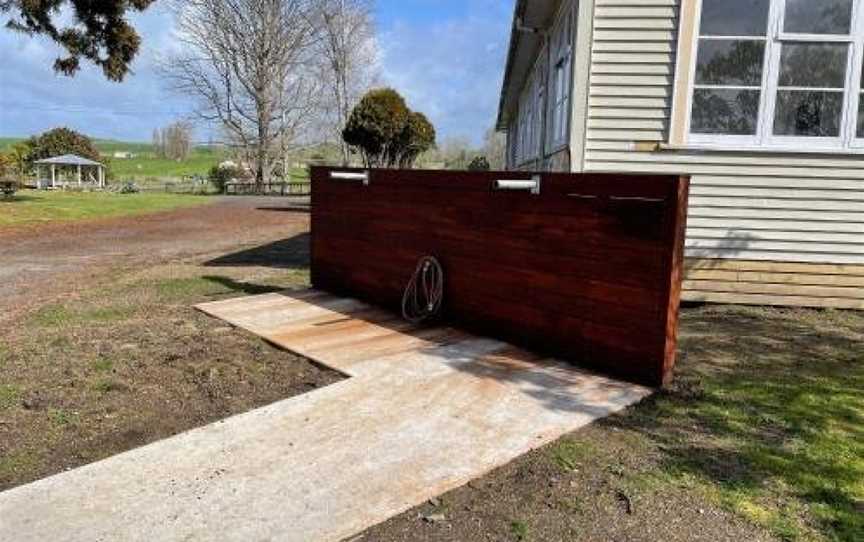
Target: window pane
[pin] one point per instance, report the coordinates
(734, 17)
(815, 65)
(808, 113)
(861, 116)
(818, 16)
(730, 62)
(725, 111)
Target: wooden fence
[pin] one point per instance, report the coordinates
(269, 189)
(588, 270)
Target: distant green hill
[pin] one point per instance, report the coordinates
(108, 146)
(105, 146)
(144, 164)
(7, 142)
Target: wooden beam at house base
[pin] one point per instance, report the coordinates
(774, 283)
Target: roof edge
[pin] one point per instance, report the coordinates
(519, 9)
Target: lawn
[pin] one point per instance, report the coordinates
(39, 207)
(147, 165)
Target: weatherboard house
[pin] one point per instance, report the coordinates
(760, 101)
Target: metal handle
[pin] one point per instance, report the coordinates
(350, 176)
(532, 185)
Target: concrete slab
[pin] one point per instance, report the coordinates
(424, 411)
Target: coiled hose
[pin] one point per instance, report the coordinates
(425, 292)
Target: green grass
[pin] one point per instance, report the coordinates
(147, 165)
(60, 316)
(32, 207)
(180, 290)
(103, 365)
(569, 454)
(519, 529)
(62, 418)
(9, 396)
(769, 422)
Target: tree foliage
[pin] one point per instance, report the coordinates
(220, 175)
(417, 137)
(98, 31)
(479, 163)
(386, 132)
(7, 166)
(57, 142)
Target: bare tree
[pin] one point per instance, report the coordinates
(158, 143)
(348, 52)
(173, 141)
(495, 149)
(247, 62)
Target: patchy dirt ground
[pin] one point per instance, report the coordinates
(41, 261)
(91, 370)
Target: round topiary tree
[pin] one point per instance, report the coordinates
(417, 137)
(375, 125)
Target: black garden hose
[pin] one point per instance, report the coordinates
(425, 292)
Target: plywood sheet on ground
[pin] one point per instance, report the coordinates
(423, 411)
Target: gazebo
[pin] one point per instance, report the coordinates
(87, 171)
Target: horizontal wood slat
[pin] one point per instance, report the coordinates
(588, 270)
(774, 283)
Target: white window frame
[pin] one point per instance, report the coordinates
(846, 142)
(539, 94)
(560, 89)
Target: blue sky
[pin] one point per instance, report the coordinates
(445, 56)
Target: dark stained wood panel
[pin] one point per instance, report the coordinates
(589, 270)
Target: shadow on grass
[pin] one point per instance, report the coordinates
(768, 408)
(302, 208)
(242, 287)
(291, 253)
(18, 198)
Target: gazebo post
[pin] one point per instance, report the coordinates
(53, 177)
(79, 176)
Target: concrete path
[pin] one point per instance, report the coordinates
(423, 411)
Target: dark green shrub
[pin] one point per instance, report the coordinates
(479, 163)
(220, 176)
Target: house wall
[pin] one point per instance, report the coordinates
(764, 228)
(536, 149)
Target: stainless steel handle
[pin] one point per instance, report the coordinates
(531, 185)
(350, 176)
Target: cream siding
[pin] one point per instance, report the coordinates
(751, 207)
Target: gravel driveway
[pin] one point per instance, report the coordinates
(50, 260)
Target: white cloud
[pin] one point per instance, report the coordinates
(450, 70)
(33, 98)
(447, 61)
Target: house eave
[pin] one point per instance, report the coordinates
(531, 22)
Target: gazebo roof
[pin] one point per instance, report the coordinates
(68, 160)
